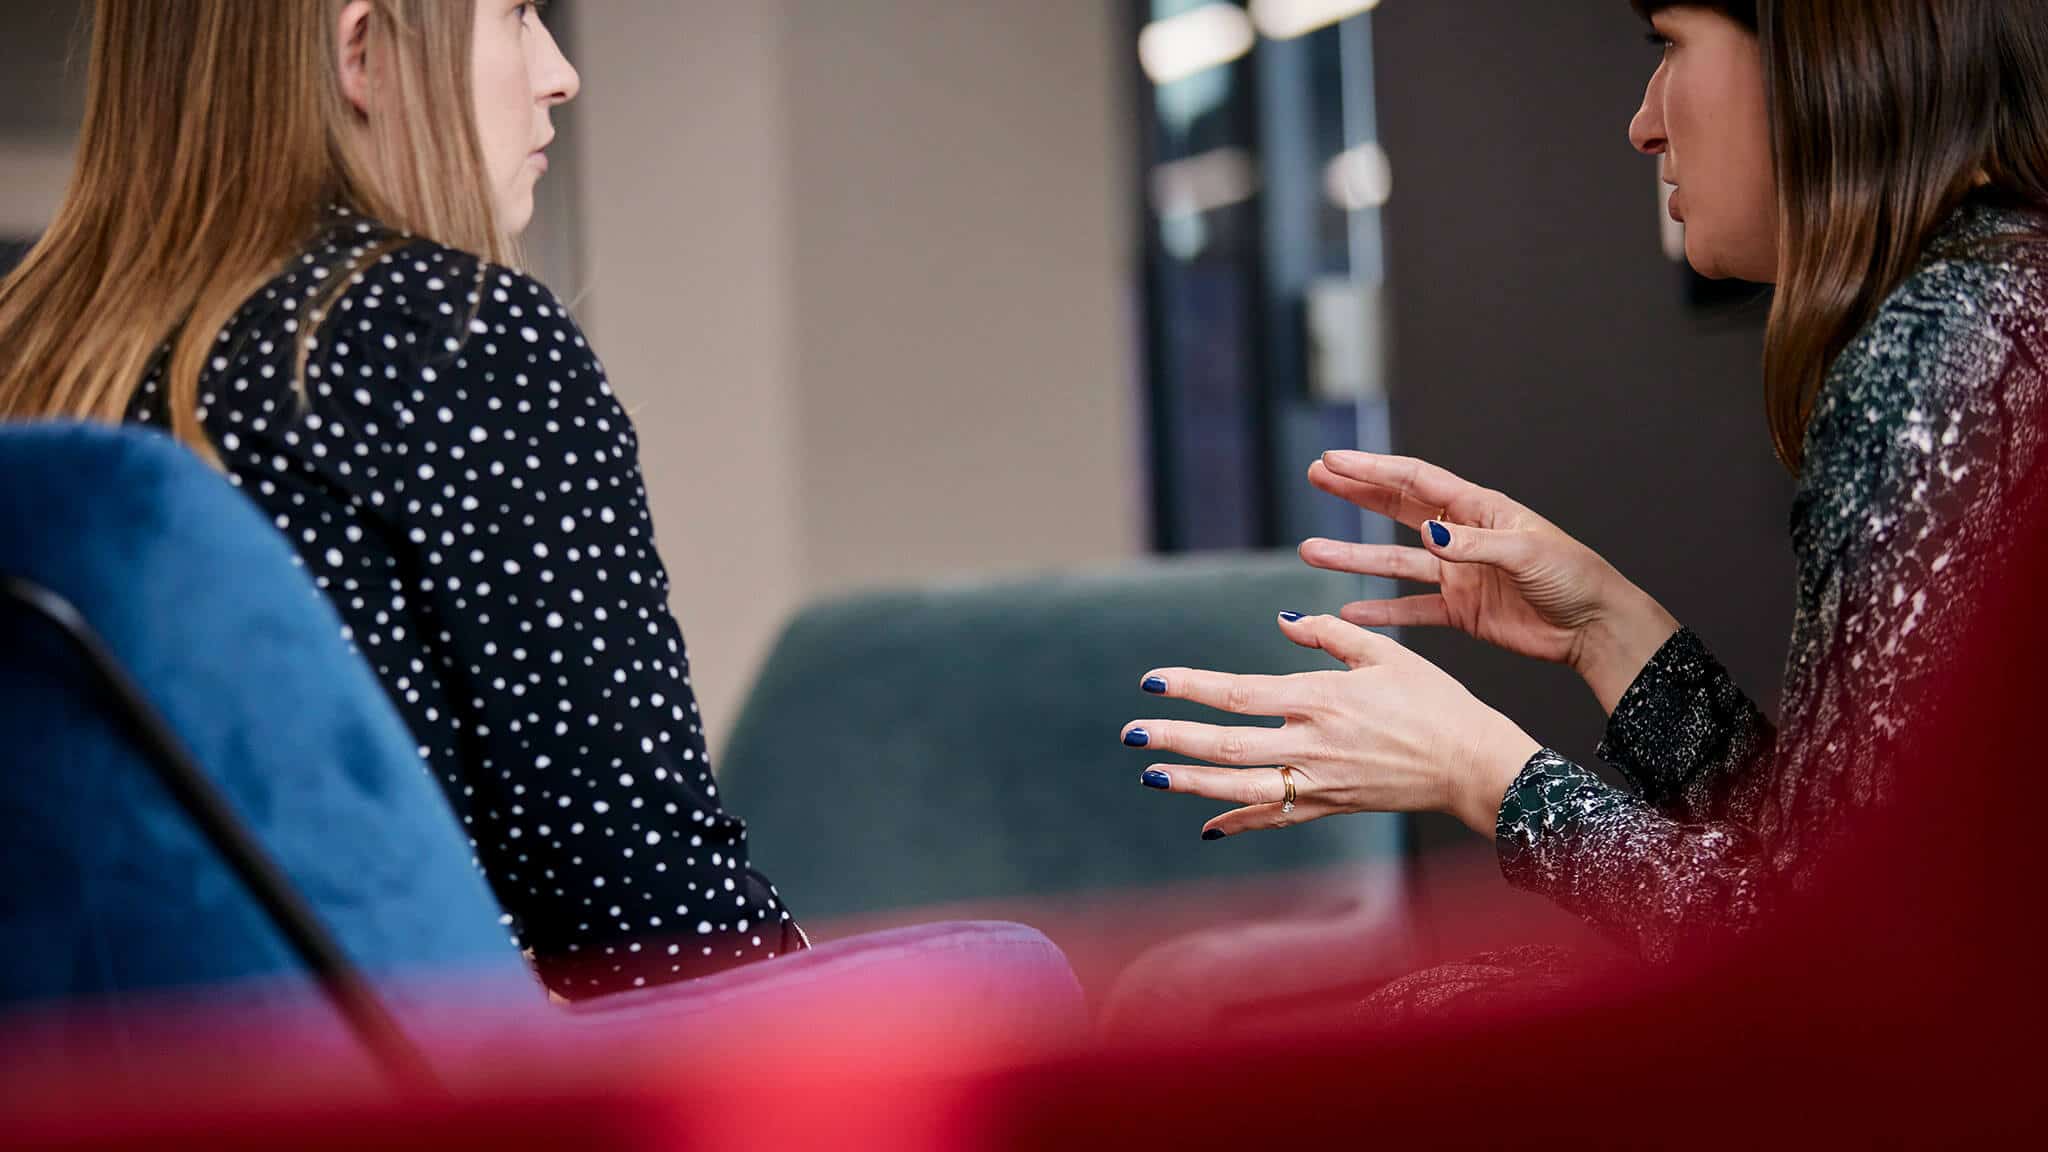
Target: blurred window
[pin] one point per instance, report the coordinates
(1263, 293)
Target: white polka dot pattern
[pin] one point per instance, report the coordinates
(460, 481)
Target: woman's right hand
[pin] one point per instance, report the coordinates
(1503, 574)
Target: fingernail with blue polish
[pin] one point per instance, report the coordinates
(1292, 617)
(1155, 685)
(1137, 738)
(1440, 534)
(1213, 834)
(1154, 778)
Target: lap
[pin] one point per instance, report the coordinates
(1490, 981)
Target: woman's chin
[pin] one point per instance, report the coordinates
(1716, 263)
(1701, 255)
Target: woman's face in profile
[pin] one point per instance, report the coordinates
(520, 75)
(1705, 117)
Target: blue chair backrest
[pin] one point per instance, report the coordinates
(106, 888)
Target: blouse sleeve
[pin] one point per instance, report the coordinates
(497, 449)
(1687, 738)
(1914, 461)
(1649, 881)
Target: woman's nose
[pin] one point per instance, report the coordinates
(1646, 131)
(559, 80)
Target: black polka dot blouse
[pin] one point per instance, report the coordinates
(460, 481)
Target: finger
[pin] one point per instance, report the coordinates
(1508, 550)
(1230, 785)
(1244, 695)
(1419, 480)
(1216, 743)
(1402, 612)
(1388, 560)
(1373, 498)
(1346, 641)
(1264, 818)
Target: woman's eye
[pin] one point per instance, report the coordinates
(1659, 41)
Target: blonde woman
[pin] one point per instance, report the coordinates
(290, 243)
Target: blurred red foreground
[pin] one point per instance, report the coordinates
(1899, 1002)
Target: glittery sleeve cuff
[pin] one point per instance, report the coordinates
(1533, 832)
(1682, 722)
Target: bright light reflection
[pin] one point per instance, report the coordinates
(1359, 178)
(1194, 42)
(1204, 183)
(1286, 19)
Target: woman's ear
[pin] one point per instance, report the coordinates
(352, 55)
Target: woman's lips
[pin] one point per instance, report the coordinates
(1672, 206)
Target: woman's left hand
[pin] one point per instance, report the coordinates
(1393, 733)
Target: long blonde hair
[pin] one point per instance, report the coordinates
(216, 134)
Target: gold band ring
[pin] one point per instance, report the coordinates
(1287, 782)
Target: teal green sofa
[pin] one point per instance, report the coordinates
(958, 743)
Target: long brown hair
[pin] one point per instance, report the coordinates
(215, 135)
(1885, 115)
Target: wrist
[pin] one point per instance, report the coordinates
(1491, 773)
(1613, 649)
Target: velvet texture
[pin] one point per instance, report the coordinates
(109, 889)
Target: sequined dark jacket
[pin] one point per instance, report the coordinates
(1921, 442)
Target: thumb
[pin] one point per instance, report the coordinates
(1355, 646)
(1507, 550)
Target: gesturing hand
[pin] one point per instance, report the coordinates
(1390, 733)
(1503, 574)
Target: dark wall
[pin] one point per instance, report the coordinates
(1544, 346)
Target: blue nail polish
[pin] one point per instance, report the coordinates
(1213, 834)
(1137, 738)
(1155, 685)
(1440, 534)
(1292, 617)
(1154, 778)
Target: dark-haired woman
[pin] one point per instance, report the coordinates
(1885, 164)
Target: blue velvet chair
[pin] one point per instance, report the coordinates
(110, 887)
(187, 600)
